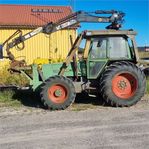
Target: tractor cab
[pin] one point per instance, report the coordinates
(107, 46)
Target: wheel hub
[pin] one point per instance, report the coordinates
(58, 93)
(124, 85)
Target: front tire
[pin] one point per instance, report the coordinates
(58, 92)
(122, 84)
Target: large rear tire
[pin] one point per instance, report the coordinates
(122, 84)
(58, 92)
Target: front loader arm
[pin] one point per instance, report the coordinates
(71, 54)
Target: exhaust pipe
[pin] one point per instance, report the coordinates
(1, 51)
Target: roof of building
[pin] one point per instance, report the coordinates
(33, 16)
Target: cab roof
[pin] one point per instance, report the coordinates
(110, 32)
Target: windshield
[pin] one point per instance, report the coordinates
(109, 47)
(117, 47)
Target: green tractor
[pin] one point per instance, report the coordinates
(107, 65)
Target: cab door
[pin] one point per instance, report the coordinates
(97, 57)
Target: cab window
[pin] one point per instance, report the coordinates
(98, 48)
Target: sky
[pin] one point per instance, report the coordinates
(137, 13)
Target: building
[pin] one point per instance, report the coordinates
(27, 18)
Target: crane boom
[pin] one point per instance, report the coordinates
(81, 16)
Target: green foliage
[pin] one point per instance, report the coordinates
(147, 86)
(6, 99)
(7, 78)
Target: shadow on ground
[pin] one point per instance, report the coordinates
(28, 98)
(31, 99)
(84, 98)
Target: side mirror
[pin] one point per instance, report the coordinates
(1, 51)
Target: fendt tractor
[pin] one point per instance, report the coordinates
(108, 64)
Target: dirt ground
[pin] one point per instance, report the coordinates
(82, 126)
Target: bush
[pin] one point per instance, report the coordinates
(7, 78)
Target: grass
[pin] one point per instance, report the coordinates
(19, 98)
(7, 96)
(147, 87)
(144, 54)
(6, 99)
(7, 78)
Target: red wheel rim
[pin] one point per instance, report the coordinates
(124, 85)
(57, 93)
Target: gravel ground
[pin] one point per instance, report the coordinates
(92, 128)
